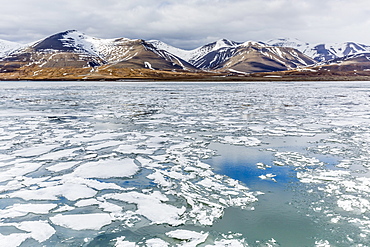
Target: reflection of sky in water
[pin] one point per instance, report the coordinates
(273, 214)
(239, 162)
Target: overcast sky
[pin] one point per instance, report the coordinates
(189, 23)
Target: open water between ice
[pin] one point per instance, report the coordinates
(184, 164)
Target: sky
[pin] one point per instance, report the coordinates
(189, 24)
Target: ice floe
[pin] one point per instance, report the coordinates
(38, 230)
(82, 221)
(189, 238)
(17, 210)
(152, 207)
(107, 169)
(241, 140)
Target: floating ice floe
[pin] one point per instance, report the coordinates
(156, 242)
(82, 221)
(296, 159)
(322, 243)
(262, 166)
(109, 168)
(241, 140)
(62, 166)
(65, 153)
(269, 176)
(17, 210)
(70, 190)
(37, 230)
(189, 238)
(152, 207)
(121, 242)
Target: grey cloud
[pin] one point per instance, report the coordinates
(191, 23)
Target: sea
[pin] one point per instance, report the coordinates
(160, 164)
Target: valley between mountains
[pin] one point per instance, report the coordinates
(72, 55)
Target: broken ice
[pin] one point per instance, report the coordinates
(83, 162)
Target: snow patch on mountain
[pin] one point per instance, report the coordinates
(6, 47)
(321, 52)
(191, 56)
(112, 50)
(183, 54)
(288, 42)
(250, 43)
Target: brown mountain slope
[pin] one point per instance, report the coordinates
(254, 57)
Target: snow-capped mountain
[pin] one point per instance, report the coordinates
(356, 63)
(288, 42)
(226, 54)
(258, 57)
(326, 52)
(75, 49)
(192, 56)
(322, 52)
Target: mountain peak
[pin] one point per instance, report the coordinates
(287, 42)
(57, 41)
(222, 43)
(250, 43)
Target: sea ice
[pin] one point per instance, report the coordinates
(58, 154)
(109, 168)
(17, 210)
(71, 191)
(34, 151)
(82, 221)
(13, 240)
(268, 176)
(190, 238)
(152, 206)
(38, 230)
(18, 169)
(105, 144)
(121, 242)
(62, 166)
(241, 140)
(156, 242)
(132, 149)
(133, 154)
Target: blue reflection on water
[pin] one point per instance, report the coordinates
(274, 214)
(239, 162)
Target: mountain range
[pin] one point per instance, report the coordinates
(74, 52)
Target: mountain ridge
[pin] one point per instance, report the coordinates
(73, 50)
(82, 50)
(321, 52)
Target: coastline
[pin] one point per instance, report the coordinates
(138, 75)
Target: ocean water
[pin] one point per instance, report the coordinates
(184, 164)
